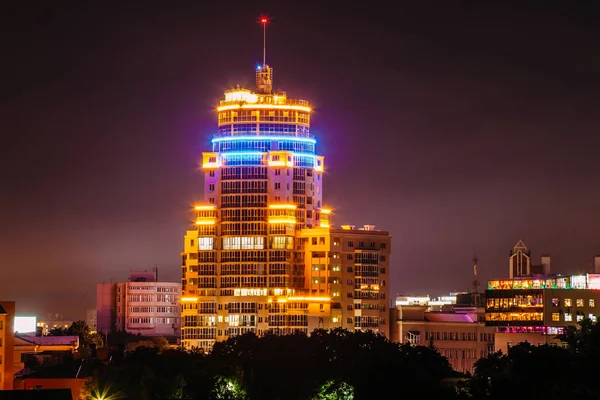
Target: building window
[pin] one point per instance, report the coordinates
(579, 302)
(211, 187)
(592, 317)
(350, 244)
(592, 303)
(211, 200)
(277, 185)
(568, 317)
(579, 317)
(349, 256)
(555, 301)
(568, 303)
(211, 174)
(555, 316)
(314, 241)
(277, 172)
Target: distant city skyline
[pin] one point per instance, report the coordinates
(460, 129)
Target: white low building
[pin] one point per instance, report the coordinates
(140, 306)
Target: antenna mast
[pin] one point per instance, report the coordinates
(264, 21)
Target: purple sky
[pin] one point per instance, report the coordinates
(460, 128)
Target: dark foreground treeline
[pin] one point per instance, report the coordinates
(340, 364)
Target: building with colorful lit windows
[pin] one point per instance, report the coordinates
(264, 255)
(535, 308)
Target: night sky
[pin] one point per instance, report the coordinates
(460, 127)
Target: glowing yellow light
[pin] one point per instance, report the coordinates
(324, 225)
(281, 221)
(276, 163)
(325, 211)
(189, 299)
(204, 208)
(319, 168)
(230, 107)
(270, 301)
(205, 222)
(281, 300)
(241, 95)
(267, 106)
(310, 298)
(282, 206)
(347, 227)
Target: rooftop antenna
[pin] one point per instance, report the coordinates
(264, 74)
(263, 21)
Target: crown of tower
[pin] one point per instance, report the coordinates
(264, 73)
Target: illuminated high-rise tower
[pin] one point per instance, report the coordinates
(248, 265)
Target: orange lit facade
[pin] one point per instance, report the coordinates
(263, 256)
(7, 340)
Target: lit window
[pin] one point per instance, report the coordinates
(579, 302)
(579, 317)
(592, 303)
(335, 319)
(568, 303)
(568, 317)
(592, 317)
(555, 316)
(555, 301)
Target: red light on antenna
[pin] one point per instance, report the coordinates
(263, 21)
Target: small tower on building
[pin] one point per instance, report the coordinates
(475, 292)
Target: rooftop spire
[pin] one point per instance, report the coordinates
(263, 21)
(264, 73)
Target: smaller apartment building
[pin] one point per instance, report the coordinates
(459, 333)
(140, 306)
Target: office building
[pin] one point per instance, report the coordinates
(536, 307)
(264, 254)
(141, 306)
